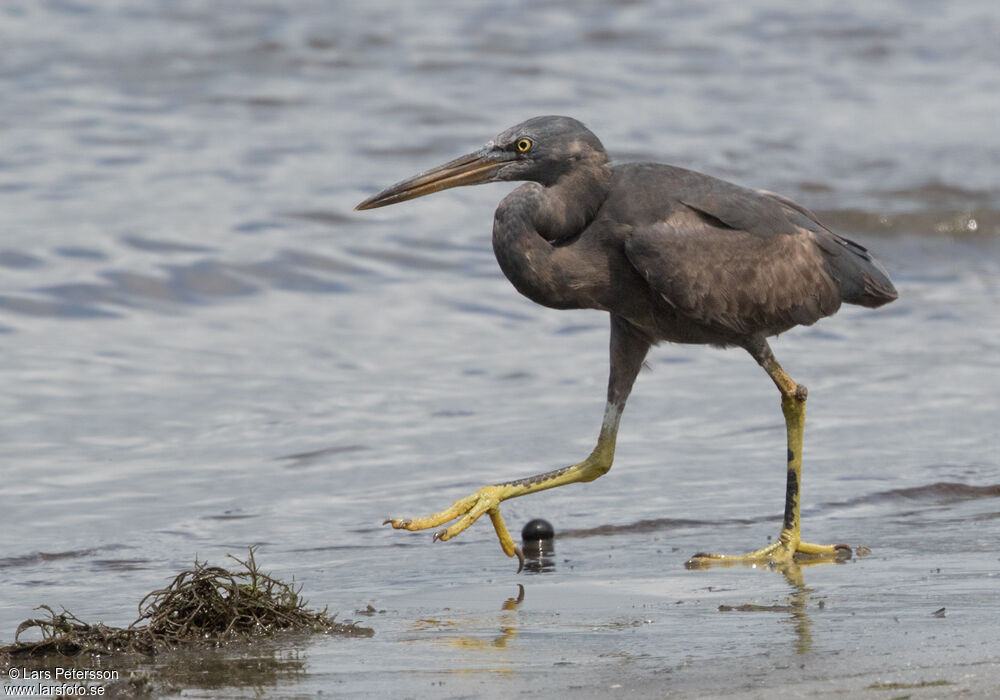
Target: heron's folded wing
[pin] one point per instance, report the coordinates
(732, 264)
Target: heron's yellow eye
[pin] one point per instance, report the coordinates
(523, 145)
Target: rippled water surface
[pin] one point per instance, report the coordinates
(204, 347)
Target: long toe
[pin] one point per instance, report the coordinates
(784, 551)
(464, 512)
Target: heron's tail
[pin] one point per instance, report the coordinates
(861, 277)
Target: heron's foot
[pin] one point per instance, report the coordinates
(787, 549)
(467, 511)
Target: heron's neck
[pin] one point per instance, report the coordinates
(568, 206)
(534, 234)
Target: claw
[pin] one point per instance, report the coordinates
(439, 535)
(703, 560)
(520, 560)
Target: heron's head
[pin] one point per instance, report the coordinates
(541, 149)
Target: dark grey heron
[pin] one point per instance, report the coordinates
(670, 254)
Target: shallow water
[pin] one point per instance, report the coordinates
(205, 348)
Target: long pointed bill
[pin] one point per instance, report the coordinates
(470, 169)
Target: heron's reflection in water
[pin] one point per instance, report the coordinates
(797, 605)
(457, 634)
(798, 599)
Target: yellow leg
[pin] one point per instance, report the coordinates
(789, 545)
(628, 349)
(487, 499)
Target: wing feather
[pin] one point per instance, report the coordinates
(738, 264)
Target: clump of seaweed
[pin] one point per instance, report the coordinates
(204, 605)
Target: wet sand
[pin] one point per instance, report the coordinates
(620, 617)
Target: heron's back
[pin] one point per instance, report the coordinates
(742, 262)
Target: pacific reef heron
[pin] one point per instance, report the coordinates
(672, 255)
